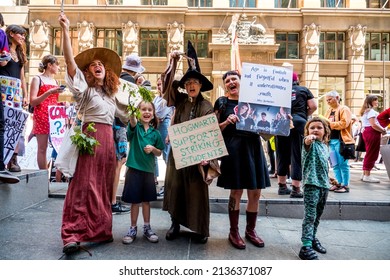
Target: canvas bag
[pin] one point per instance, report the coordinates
(67, 155)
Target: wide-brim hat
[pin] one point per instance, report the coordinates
(109, 58)
(206, 84)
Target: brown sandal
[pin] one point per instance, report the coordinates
(342, 189)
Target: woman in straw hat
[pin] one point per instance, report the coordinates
(92, 77)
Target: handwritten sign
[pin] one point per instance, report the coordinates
(57, 121)
(15, 121)
(265, 99)
(196, 140)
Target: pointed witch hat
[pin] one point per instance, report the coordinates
(194, 71)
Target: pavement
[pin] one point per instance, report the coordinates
(33, 233)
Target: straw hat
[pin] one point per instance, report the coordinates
(109, 58)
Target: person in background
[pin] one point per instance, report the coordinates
(131, 67)
(146, 144)
(315, 181)
(14, 68)
(164, 115)
(289, 148)
(340, 118)
(372, 132)
(4, 49)
(44, 92)
(92, 77)
(244, 168)
(5, 175)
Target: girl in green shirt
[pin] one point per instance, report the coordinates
(315, 179)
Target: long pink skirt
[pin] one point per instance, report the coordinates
(87, 215)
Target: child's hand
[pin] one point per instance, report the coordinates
(310, 139)
(148, 149)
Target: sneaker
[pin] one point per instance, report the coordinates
(370, 179)
(361, 177)
(289, 181)
(130, 236)
(149, 234)
(119, 208)
(7, 177)
(161, 192)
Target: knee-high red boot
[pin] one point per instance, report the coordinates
(250, 232)
(234, 235)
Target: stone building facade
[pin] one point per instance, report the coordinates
(332, 45)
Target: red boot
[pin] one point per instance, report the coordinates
(234, 235)
(250, 232)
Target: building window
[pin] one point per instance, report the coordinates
(284, 3)
(200, 3)
(153, 43)
(332, 45)
(375, 86)
(327, 84)
(200, 41)
(333, 3)
(154, 2)
(378, 4)
(242, 3)
(22, 2)
(377, 46)
(289, 45)
(110, 38)
(57, 39)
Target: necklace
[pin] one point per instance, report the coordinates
(14, 55)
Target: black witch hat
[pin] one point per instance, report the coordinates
(194, 71)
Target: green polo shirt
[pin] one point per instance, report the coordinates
(139, 138)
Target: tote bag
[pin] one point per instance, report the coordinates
(67, 155)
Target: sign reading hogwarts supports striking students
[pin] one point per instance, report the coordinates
(196, 140)
(265, 99)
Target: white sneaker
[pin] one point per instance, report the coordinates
(370, 179)
(289, 181)
(361, 177)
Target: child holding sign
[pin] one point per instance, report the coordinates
(146, 143)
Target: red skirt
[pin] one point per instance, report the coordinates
(87, 215)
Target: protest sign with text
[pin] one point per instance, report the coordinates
(196, 140)
(265, 99)
(15, 120)
(57, 121)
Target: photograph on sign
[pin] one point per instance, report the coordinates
(196, 140)
(265, 99)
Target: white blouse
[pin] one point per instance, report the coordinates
(96, 106)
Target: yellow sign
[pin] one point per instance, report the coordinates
(196, 140)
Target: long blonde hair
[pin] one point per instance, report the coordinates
(367, 104)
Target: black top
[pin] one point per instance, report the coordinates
(299, 97)
(12, 69)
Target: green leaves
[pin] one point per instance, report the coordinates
(136, 95)
(84, 141)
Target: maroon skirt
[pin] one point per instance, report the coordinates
(87, 215)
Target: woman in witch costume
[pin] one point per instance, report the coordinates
(186, 196)
(92, 77)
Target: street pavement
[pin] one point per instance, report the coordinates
(33, 233)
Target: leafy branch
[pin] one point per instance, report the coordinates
(136, 95)
(84, 141)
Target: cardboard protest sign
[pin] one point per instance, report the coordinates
(196, 140)
(15, 121)
(57, 121)
(265, 99)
